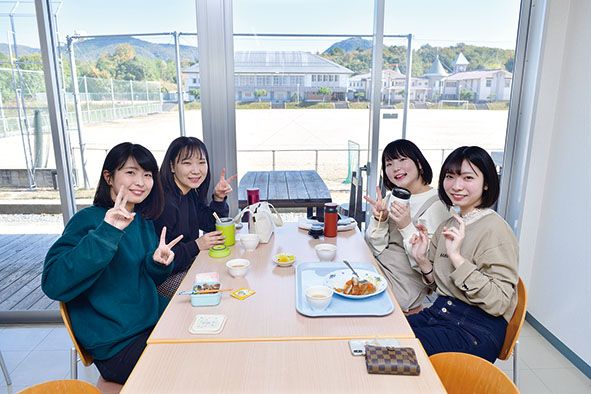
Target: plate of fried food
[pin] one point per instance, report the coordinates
(345, 284)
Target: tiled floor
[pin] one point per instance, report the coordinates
(38, 353)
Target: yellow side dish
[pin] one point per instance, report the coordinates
(285, 258)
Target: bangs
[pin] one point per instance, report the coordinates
(397, 151)
(189, 151)
(144, 159)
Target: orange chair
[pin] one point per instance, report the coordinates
(463, 373)
(65, 386)
(105, 386)
(511, 344)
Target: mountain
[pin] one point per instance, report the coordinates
(350, 44)
(22, 49)
(92, 49)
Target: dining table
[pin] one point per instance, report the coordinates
(287, 189)
(325, 366)
(270, 314)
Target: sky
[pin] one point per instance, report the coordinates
(434, 22)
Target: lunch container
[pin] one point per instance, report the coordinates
(210, 299)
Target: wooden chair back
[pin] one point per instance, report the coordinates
(463, 373)
(516, 322)
(84, 356)
(65, 386)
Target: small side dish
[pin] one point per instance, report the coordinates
(284, 259)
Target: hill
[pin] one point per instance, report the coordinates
(91, 50)
(348, 45)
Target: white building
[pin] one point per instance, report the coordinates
(283, 75)
(393, 86)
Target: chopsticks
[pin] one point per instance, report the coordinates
(215, 215)
(201, 292)
(379, 220)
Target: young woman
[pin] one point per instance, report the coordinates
(473, 261)
(108, 262)
(403, 165)
(185, 178)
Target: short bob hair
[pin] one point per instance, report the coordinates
(152, 206)
(180, 149)
(405, 148)
(478, 157)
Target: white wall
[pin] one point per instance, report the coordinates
(555, 235)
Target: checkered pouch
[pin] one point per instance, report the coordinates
(391, 360)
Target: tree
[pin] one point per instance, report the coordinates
(324, 91)
(466, 94)
(195, 93)
(359, 95)
(258, 93)
(491, 97)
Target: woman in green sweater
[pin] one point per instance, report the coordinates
(473, 259)
(109, 260)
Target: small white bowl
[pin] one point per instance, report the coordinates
(238, 267)
(284, 263)
(325, 252)
(249, 241)
(319, 297)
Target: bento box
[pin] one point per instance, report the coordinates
(207, 299)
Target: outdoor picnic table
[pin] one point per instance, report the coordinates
(287, 189)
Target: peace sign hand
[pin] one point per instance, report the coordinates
(223, 188)
(164, 254)
(119, 216)
(378, 209)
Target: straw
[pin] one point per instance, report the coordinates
(215, 215)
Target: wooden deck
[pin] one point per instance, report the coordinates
(21, 265)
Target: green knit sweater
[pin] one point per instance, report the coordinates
(107, 278)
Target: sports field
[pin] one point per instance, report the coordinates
(436, 132)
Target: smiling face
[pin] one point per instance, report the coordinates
(189, 172)
(134, 179)
(403, 172)
(465, 189)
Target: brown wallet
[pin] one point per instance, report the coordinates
(391, 360)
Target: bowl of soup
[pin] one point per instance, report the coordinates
(238, 267)
(319, 297)
(325, 252)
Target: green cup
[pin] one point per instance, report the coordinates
(228, 230)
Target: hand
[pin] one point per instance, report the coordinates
(453, 241)
(400, 214)
(420, 243)
(208, 240)
(119, 216)
(379, 212)
(223, 188)
(164, 254)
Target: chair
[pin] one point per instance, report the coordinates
(104, 385)
(356, 206)
(5, 372)
(463, 373)
(511, 344)
(64, 386)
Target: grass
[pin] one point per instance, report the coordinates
(253, 105)
(470, 106)
(499, 105)
(359, 105)
(195, 105)
(309, 105)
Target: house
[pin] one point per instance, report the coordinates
(284, 75)
(393, 86)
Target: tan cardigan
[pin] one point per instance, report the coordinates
(489, 275)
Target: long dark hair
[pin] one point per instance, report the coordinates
(180, 149)
(405, 148)
(480, 158)
(152, 206)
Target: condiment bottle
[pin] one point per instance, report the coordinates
(330, 219)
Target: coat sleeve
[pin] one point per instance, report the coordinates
(184, 251)
(79, 257)
(490, 280)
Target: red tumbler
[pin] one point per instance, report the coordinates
(330, 219)
(252, 195)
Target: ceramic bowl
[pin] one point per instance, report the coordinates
(249, 241)
(238, 267)
(325, 252)
(284, 259)
(319, 297)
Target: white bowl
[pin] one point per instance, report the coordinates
(284, 263)
(249, 241)
(319, 297)
(238, 267)
(325, 252)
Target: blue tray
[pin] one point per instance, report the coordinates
(310, 274)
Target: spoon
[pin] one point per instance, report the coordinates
(351, 268)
